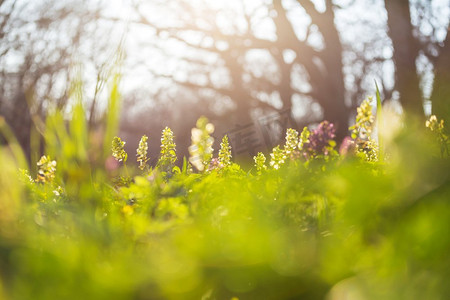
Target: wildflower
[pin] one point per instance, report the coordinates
(201, 150)
(433, 124)
(141, 152)
(320, 141)
(278, 157)
(214, 164)
(111, 164)
(304, 138)
(347, 146)
(260, 161)
(46, 169)
(364, 121)
(58, 191)
(225, 152)
(291, 142)
(25, 176)
(369, 150)
(118, 149)
(168, 154)
(127, 210)
(437, 127)
(366, 147)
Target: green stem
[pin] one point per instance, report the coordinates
(126, 169)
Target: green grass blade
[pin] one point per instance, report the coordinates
(379, 124)
(114, 102)
(78, 123)
(112, 116)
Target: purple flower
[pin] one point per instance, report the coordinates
(348, 146)
(321, 140)
(214, 164)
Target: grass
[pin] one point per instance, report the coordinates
(321, 224)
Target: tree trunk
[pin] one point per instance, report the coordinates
(238, 92)
(405, 54)
(333, 93)
(20, 122)
(440, 97)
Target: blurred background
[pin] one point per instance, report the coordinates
(253, 67)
